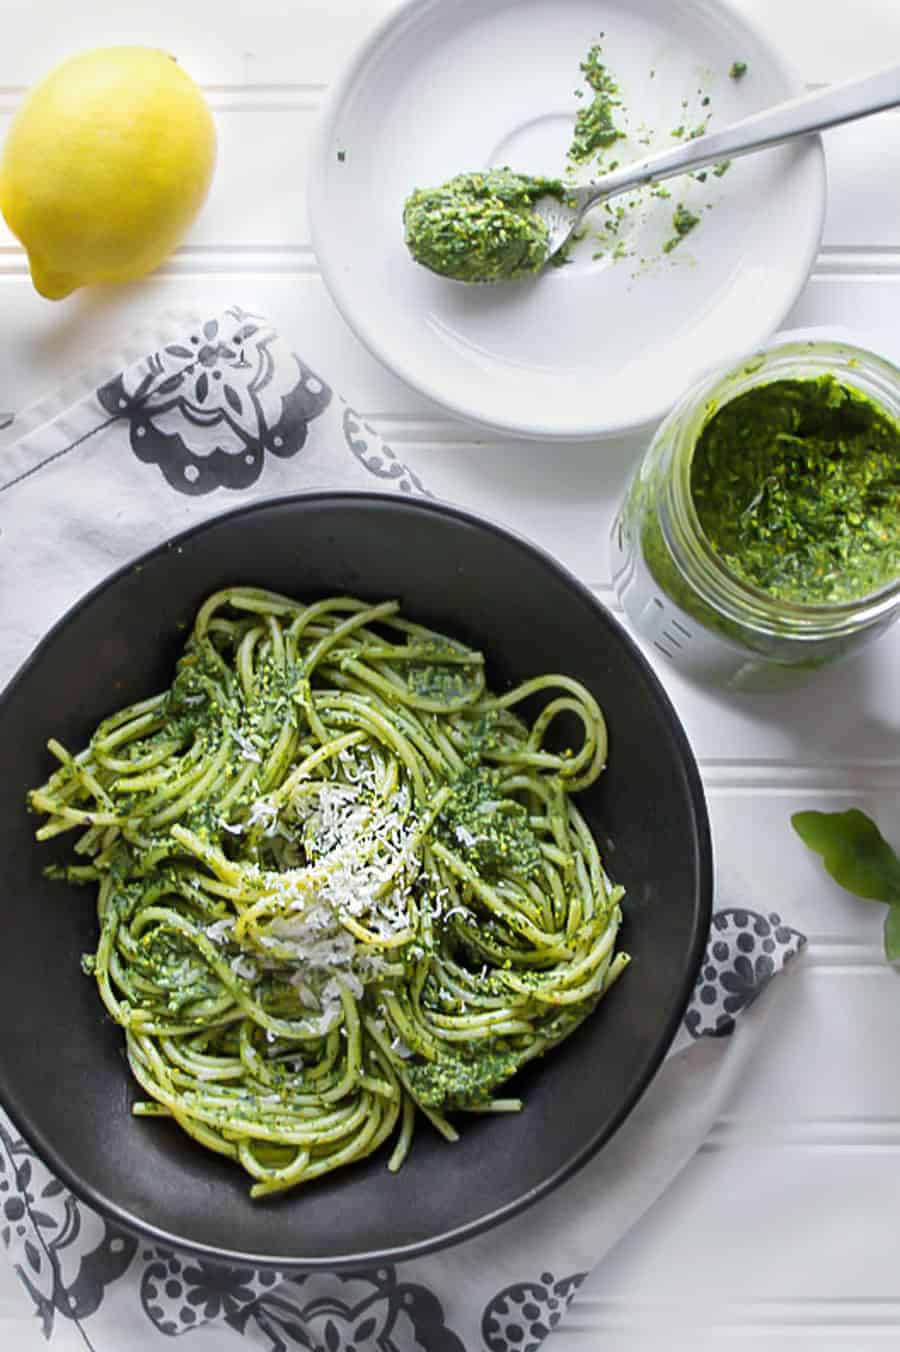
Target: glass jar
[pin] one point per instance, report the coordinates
(675, 589)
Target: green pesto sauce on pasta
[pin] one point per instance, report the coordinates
(339, 881)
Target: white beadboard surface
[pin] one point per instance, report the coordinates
(785, 1229)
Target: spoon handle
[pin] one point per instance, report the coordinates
(796, 117)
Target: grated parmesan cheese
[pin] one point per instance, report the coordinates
(247, 749)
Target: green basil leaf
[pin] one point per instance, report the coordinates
(892, 934)
(855, 852)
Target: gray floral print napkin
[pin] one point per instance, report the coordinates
(206, 416)
(190, 417)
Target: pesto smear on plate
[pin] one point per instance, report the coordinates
(796, 485)
(480, 227)
(595, 126)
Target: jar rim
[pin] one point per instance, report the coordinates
(873, 376)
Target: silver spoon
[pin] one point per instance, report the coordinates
(796, 117)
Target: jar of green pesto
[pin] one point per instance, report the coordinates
(760, 537)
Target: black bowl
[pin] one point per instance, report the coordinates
(63, 1077)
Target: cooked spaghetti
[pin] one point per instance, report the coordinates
(339, 878)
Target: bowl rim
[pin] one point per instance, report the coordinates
(402, 16)
(328, 499)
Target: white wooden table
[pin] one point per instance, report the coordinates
(785, 1230)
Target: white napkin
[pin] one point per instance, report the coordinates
(188, 421)
(192, 419)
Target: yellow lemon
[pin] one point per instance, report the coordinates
(106, 164)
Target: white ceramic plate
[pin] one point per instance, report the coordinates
(602, 345)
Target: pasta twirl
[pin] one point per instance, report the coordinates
(339, 880)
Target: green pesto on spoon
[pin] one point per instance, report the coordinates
(499, 225)
(481, 227)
